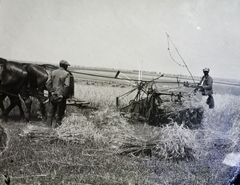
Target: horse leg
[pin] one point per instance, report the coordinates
(2, 97)
(43, 100)
(13, 103)
(43, 111)
(16, 101)
(28, 103)
(20, 108)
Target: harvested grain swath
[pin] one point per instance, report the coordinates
(67, 132)
(171, 142)
(177, 142)
(100, 129)
(135, 145)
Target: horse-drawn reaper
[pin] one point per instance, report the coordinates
(160, 107)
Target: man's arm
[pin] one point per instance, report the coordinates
(49, 82)
(209, 83)
(67, 81)
(66, 85)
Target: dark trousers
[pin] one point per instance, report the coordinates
(56, 109)
(210, 101)
(236, 178)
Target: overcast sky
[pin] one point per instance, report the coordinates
(122, 34)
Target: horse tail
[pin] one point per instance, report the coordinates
(71, 89)
(32, 78)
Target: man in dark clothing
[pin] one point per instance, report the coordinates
(58, 85)
(205, 86)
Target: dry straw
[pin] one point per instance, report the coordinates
(170, 142)
(106, 129)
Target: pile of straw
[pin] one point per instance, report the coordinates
(106, 129)
(101, 128)
(171, 142)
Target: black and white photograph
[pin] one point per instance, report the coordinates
(119, 92)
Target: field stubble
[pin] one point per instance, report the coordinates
(101, 147)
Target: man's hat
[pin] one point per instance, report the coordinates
(206, 69)
(64, 62)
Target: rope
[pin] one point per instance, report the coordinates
(185, 65)
(171, 53)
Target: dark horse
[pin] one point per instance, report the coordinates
(14, 82)
(24, 79)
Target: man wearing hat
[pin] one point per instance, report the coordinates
(58, 86)
(205, 86)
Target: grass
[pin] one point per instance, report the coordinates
(101, 147)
